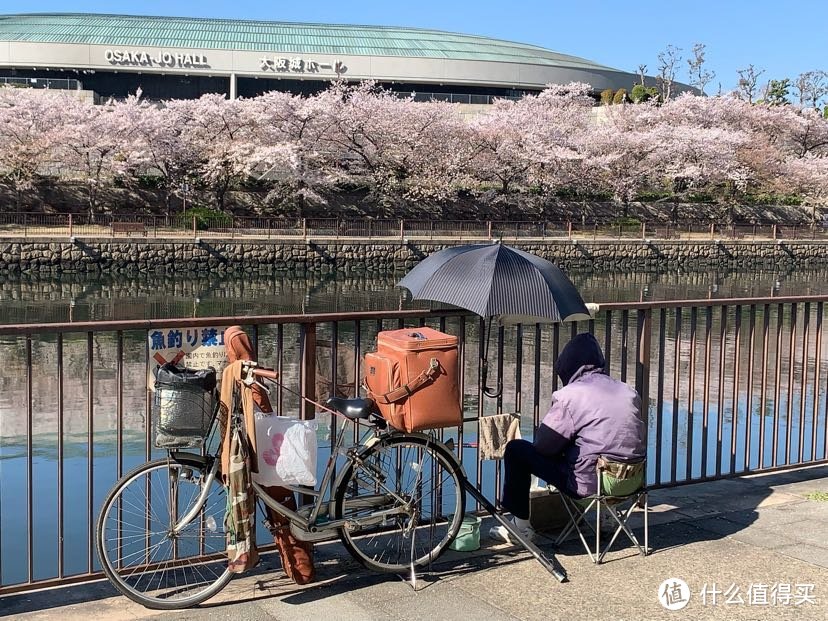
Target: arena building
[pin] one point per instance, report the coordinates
(174, 57)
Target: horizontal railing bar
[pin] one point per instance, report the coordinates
(198, 322)
(308, 318)
(753, 472)
(706, 302)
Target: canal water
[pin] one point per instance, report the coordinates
(34, 298)
(732, 426)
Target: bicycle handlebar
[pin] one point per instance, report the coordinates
(266, 373)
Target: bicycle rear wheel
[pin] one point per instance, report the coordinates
(404, 500)
(145, 554)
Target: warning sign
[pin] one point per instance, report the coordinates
(196, 348)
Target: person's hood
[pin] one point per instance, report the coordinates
(582, 351)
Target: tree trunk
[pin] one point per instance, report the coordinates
(91, 200)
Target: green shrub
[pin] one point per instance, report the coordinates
(700, 197)
(206, 218)
(648, 196)
(149, 181)
(626, 221)
(764, 198)
(620, 96)
(606, 97)
(791, 200)
(640, 94)
(565, 192)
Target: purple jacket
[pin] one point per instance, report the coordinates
(592, 415)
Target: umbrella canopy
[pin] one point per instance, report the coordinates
(493, 280)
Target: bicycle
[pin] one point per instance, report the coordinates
(396, 505)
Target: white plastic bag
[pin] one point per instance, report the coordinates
(286, 449)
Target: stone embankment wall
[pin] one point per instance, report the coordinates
(207, 255)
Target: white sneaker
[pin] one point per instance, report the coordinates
(498, 532)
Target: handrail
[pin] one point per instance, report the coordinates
(313, 318)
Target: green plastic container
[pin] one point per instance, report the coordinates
(468, 537)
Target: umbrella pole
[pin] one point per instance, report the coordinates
(484, 365)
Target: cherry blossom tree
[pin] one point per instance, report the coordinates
(403, 148)
(218, 131)
(407, 152)
(92, 143)
(161, 148)
(287, 132)
(27, 118)
(532, 140)
(622, 153)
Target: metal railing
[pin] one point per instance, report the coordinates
(231, 227)
(464, 98)
(728, 387)
(63, 84)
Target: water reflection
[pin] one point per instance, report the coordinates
(32, 298)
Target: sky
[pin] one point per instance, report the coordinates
(782, 37)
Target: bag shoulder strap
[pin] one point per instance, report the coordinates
(403, 392)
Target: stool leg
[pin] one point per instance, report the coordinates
(597, 531)
(646, 523)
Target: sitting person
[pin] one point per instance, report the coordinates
(591, 415)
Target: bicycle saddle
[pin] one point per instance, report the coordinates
(352, 408)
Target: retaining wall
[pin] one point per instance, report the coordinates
(47, 255)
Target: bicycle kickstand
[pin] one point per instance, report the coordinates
(550, 565)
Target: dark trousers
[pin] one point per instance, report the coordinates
(520, 462)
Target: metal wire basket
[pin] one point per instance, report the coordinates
(183, 415)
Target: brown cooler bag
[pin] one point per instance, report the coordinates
(413, 378)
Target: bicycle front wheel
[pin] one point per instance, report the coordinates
(404, 502)
(147, 551)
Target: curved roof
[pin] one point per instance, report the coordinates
(229, 34)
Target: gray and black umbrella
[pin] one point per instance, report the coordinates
(493, 280)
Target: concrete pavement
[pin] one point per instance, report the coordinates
(737, 543)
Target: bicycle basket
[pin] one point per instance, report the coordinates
(184, 406)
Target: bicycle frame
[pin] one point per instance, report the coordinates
(311, 523)
(313, 529)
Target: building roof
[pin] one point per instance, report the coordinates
(229, 34)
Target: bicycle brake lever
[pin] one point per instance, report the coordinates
(250, 380)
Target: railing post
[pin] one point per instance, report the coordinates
(712, 230)
(402, 230)
(642, 364)
(569, 229)
(489, 229)
(307, 372)
(70, 225)
(774, 232)
(195, 230)
(543, 229)
(305, 228)
(643, 230)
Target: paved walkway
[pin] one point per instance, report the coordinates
(741, 539)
